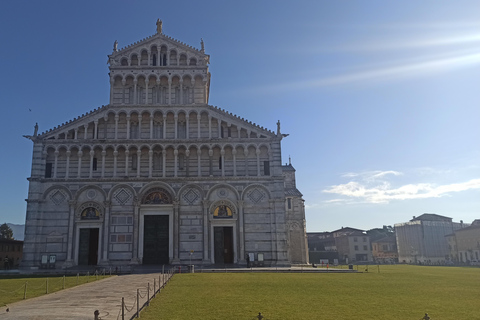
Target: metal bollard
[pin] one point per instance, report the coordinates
(25, 291)
(46, 289)
(63, 282)
(154, 288)
(138, 303)
(148, 294)
(123, 308)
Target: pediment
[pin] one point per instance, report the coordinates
(158, 41)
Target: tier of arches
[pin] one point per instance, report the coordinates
(157, 160)
(159, 55)
(156, 124)
(158, 89)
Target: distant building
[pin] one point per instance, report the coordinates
(321, 246)
(464, 244)
(11, 249)
(384, 250)
(422, 239)
(353, 245)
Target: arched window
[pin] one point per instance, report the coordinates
(154, 59)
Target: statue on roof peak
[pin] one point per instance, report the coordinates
(202, 44)
(115, 46)
(159, 26)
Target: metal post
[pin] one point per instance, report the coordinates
(88, 276)
(154, 288)
(77, 278)
(63, 282)
(95, 314)
(25, 291)
(123, 308)
(148, 294)
(46, 289)
(138, 304)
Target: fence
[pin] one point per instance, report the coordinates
(53, 284)
(146, 292)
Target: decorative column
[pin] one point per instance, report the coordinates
(175, 162)
(128, 127)
(136, 209)
(139, 127)
(95, 132)
(169, 91)
(164, 126)
(175, 120)
(71, 206)
(124, 82)
(258, 162)
(206, 204)
(209, 127)
(104, 153)
(106, 233)
(222, 155)
(80, 154)
(127, 153)
(117, 117)
(193, 91)
(112, 82)
(55, 164)
(245, 152)
(205, 92)
(149, 56)
(115, 155)
(210, 155)
(146, 88)
(219, 122)
(151, 126)
(234, 153)
(76, 134)
(85, 132)
(187, 129)
(199, 117)
(68, 164)
(150, 163)
(164, 162)
(181, 91)
(159, 92)
(92, 153)
(135, 98)
(176, 230)
(139, 156)
(238, 131)
(241, 230)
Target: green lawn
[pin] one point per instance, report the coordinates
(397, 292)
(12, 288)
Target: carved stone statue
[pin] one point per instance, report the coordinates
(159, 26)
(202, 44)
(115, 46)
(35, 131)
(278, 127)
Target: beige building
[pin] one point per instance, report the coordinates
(353, 245)
(464, 244)
(384, 250)
(159, 176)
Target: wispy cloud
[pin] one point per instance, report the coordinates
(373, 187)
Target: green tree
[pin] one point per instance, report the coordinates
(6, 232)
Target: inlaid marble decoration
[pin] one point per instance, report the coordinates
(222, 193)
(91, 194)
(191, 196)
(58, 197)
(256, 195)
(122, 196)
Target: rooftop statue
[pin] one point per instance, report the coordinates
(159, 26)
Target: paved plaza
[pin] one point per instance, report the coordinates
(81, 302)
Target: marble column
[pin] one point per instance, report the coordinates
(68, 164)
(55, 164)
(104, 153)
(206, 204)
(79, 171)
(106, 233)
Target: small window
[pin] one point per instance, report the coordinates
(220, 162)
(289, 203)
(266, 168)
(229, 131)
(221, 131)
(94, 164)
(356, 248)
(181, 162)
(48, 170)
(154, 60)
(134, 162)
(365, 248)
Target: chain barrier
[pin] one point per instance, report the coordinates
(8, 291)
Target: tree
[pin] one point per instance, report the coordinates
(6, 232)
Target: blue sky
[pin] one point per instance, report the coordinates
(381, 100)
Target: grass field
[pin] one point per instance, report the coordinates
(397, 292)
(12, 288)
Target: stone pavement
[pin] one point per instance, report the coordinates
(81, 302)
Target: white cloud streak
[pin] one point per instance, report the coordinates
(383, 192)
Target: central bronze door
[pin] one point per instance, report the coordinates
(88, 247)
(156, 239)
(223, 243)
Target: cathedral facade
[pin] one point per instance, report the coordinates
(158, 176)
